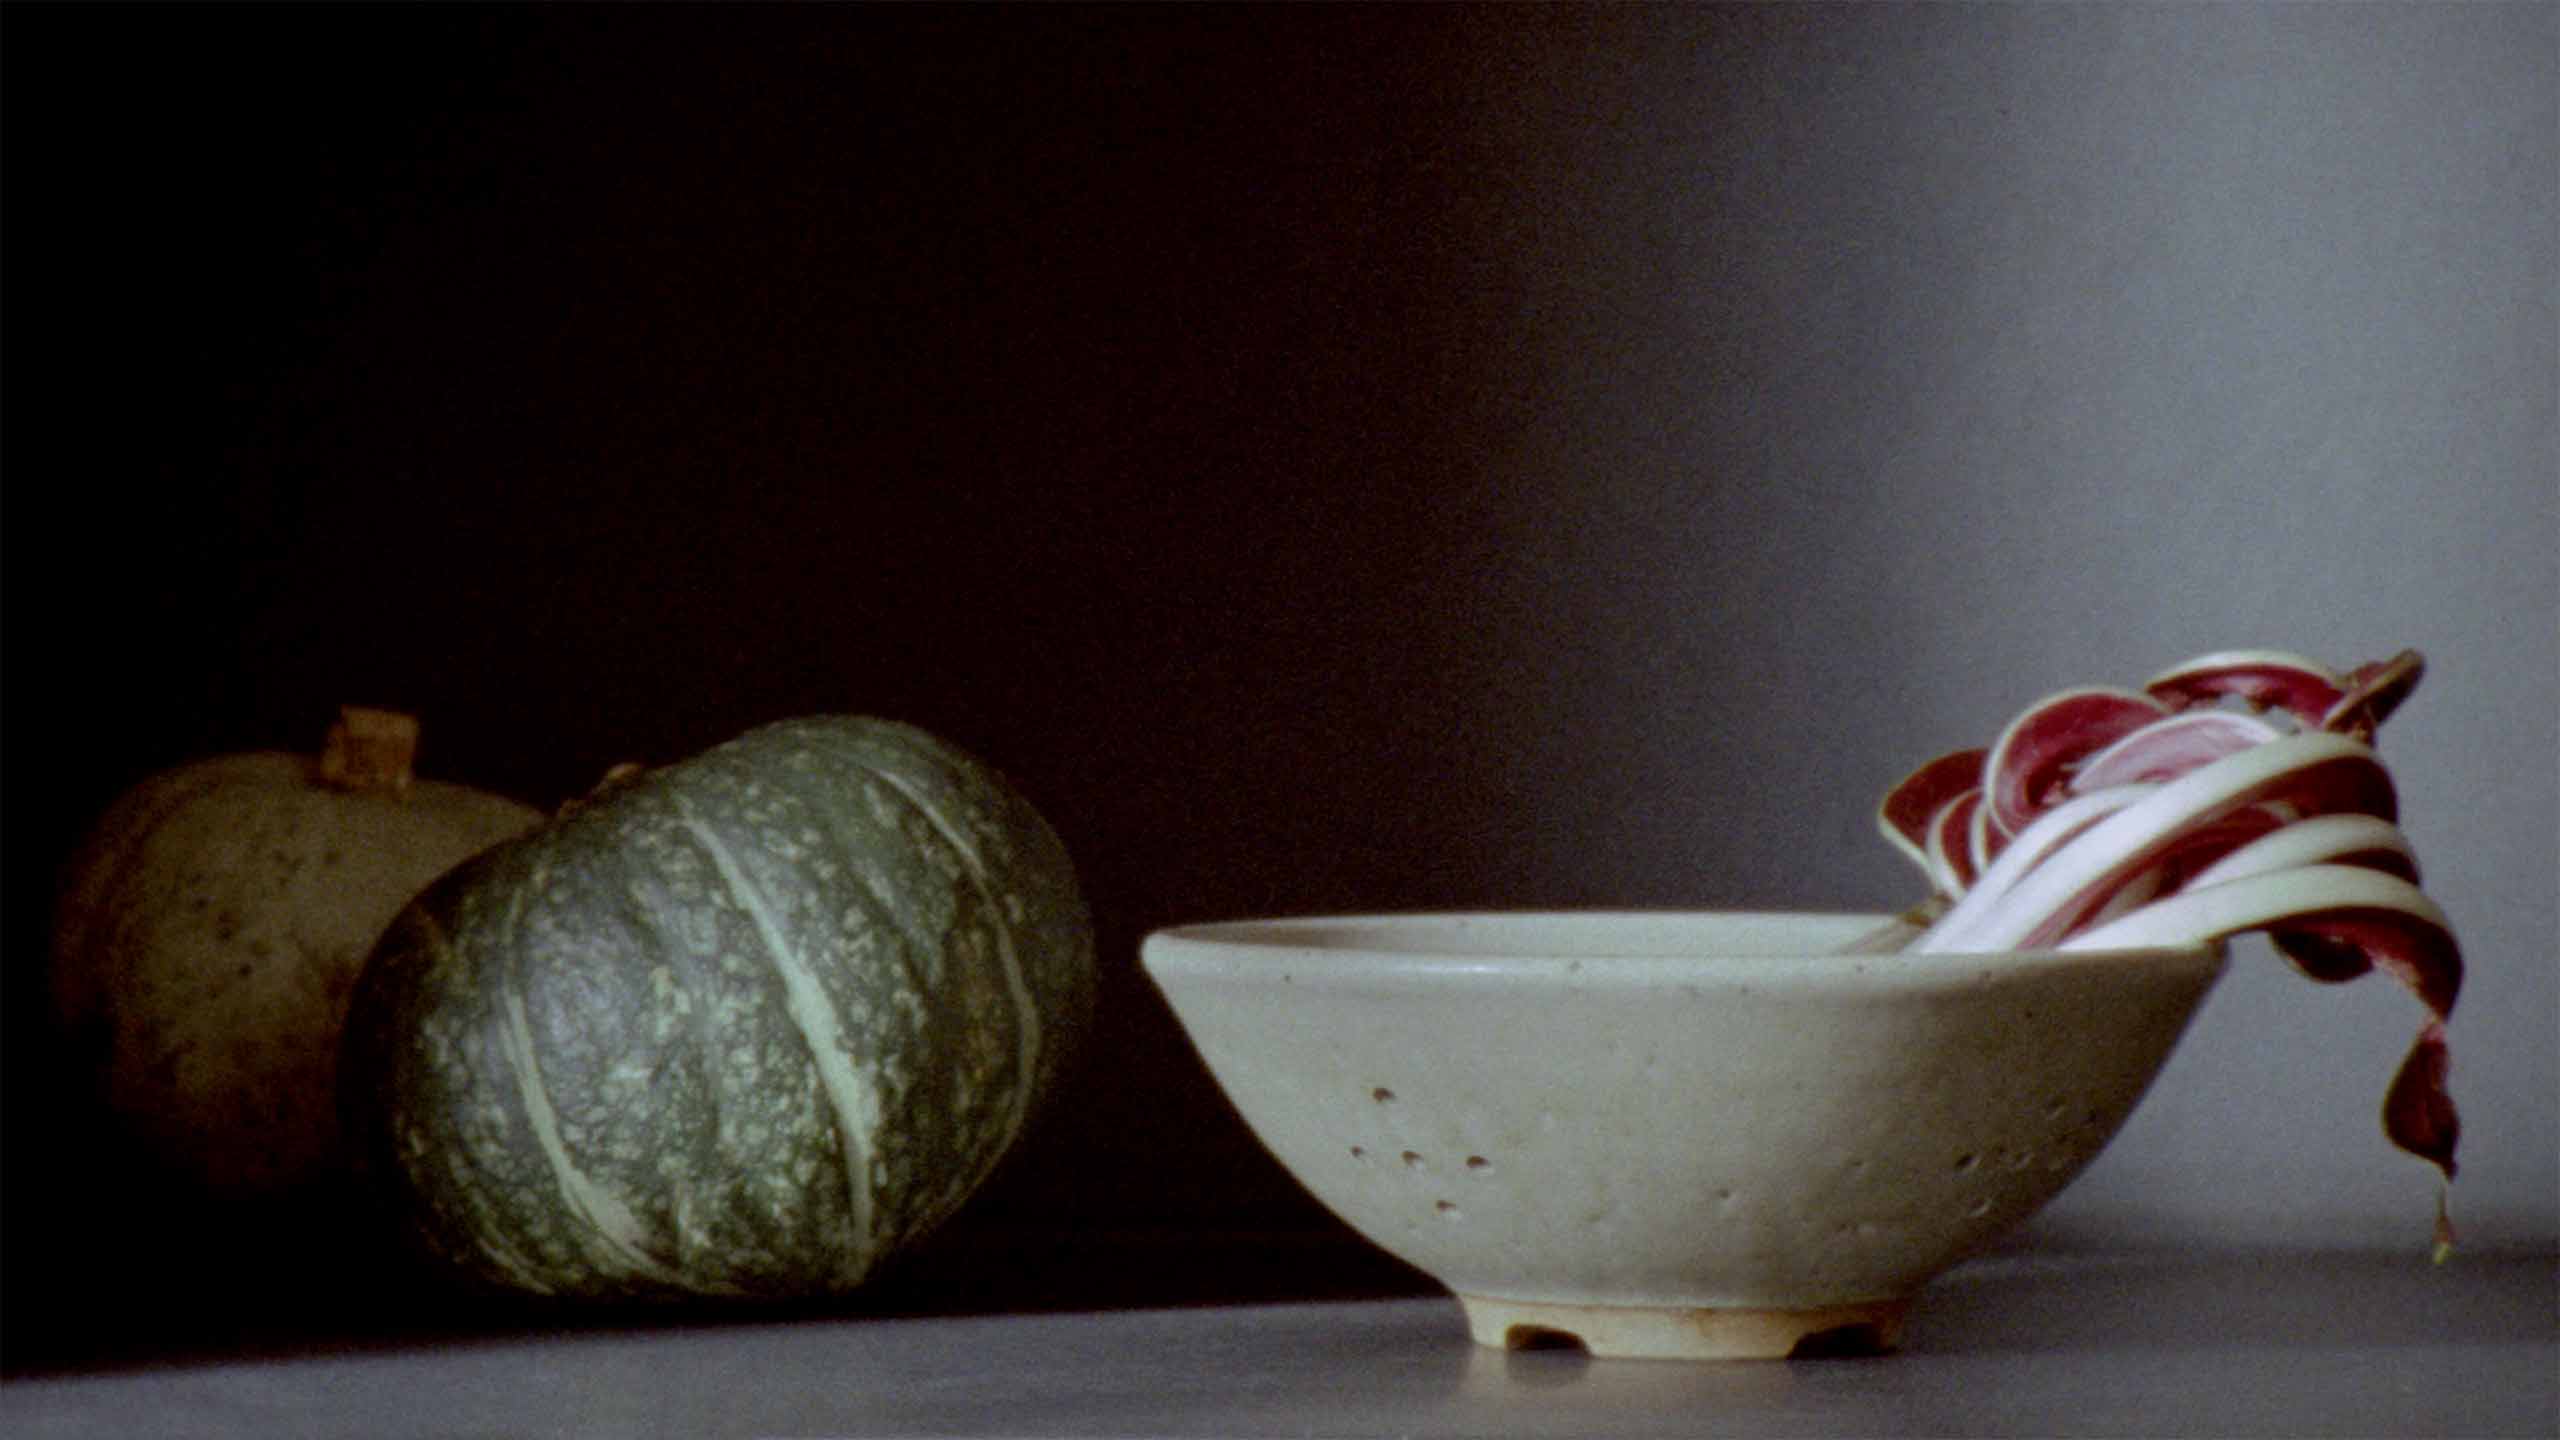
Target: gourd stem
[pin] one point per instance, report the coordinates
(370, 749)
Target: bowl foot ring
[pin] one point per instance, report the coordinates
(1682, 1332)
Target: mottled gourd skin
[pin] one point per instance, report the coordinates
(738, 1027)
(207, 938)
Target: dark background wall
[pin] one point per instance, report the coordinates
(1332, 457)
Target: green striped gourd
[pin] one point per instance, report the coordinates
(742, 1026)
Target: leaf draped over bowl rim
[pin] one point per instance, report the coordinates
(2236, 792)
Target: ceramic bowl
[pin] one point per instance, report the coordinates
(1701, 1134)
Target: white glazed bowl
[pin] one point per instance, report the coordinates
(1672, 1134)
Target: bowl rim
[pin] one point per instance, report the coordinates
(1300, 950)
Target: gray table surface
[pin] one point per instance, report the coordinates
(2134, 1343)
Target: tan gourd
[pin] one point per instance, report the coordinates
(211, 928)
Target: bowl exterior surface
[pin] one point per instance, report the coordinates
(1700, 1110)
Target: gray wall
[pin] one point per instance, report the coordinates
(1894, 366)
(1335, 458)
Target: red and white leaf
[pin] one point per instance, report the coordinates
(2372, 692)
(1951, 853)
(2315, 773)
(2387, 920)
(2031, 761)
(2170, 747)
(2347, 839)
(2017, 863)
(1908, 808)
(2418, 1111)
(2267, 679)
(2237, 792)
(2361, 919)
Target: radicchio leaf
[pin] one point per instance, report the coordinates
(2032, 759)
(2236, 792)
(1909, 808)
(2264, 679)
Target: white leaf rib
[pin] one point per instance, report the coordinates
(2055, 828)
(2268, 899)
(2319, 840)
